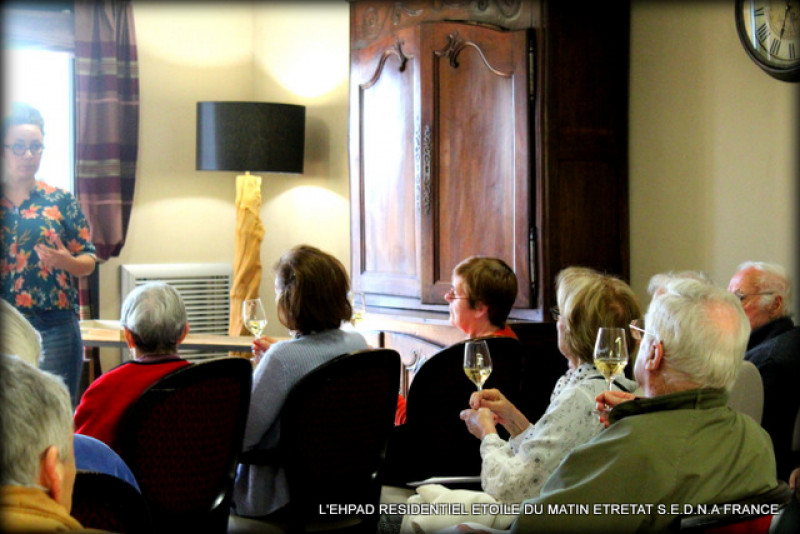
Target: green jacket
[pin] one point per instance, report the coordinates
(684, 448)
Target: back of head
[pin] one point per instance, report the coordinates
(770, 279)
(588, 300)
(311, 288)
(490, 281)
(156, 316)
(17, 336)
(22, 113)
(704, 331)
(658, 281)
(36, 413)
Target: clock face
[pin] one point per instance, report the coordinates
(770, 32)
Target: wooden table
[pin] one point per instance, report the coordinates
(102, 333)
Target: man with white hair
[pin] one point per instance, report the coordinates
(37, 465)
(774, 348)
(154, 322)
(680, 444)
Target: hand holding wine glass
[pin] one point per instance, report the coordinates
(477, 362)
(610, 353)
(253, 316)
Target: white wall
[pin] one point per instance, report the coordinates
(713, 147)
(713, 140)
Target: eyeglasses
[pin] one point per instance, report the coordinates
(638, 333)
(451, 295)
(19, 149)
(555, 313)
(741, 296)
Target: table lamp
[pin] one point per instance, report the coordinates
(245, 137)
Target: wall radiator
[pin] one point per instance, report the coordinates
(204, 287)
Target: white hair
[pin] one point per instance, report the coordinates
(771, 278)
(18, 336)
(658, 281)
(36, 413)
(156, 316)
(704, 331)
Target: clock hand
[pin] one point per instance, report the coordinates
(785, 16)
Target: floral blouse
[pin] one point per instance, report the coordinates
(48, 212)
(516, 470)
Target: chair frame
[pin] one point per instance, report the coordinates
(780, 495)
(432, 417)
(215, 516)
(306, 492)
(107, 492)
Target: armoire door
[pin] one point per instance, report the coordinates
(384, 192)
(475, 152)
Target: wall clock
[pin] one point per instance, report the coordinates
(770, 33)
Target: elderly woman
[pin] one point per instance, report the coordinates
(482, 295)
(311, 297)
(516, 470)
(154, 321)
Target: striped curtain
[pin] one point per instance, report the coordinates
(107, 118)
(107, 133)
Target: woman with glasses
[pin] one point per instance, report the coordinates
(516, 470)
(45, 240)
(311, 298)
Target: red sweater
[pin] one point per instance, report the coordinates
(104, 402)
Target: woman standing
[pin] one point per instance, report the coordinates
(311, 297)
(45, 240)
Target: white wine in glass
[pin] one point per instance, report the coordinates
(477, 362)
(253, 316)
(359, 304)
(610, 353)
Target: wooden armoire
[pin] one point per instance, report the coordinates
(495, 127)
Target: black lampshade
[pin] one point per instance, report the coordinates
(250, 136)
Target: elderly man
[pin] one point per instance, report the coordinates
(154, 321)
(774, 348)
(680, 444)
(37, 467)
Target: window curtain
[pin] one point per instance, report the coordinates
(106, 118)
(106, 129)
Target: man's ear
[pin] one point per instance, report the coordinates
(655, 357)
(185, 333)
(481, 309)
(775, 306)
(128, 338)
(51, 473)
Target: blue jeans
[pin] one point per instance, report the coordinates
(62, 347)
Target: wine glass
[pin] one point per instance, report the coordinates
(477, 362)
(253, 316)
(359, 304)
(610, 353)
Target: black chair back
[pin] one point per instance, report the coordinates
(335, 425)
(745, 517)
(105, 502)
(434, 441)
(182, 438)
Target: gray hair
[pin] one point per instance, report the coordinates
(704, 331)
(660, 280)
(37, 413)
(18, 336)
(156, 316)
(771, 278)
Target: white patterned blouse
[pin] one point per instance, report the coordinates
(516, 470)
